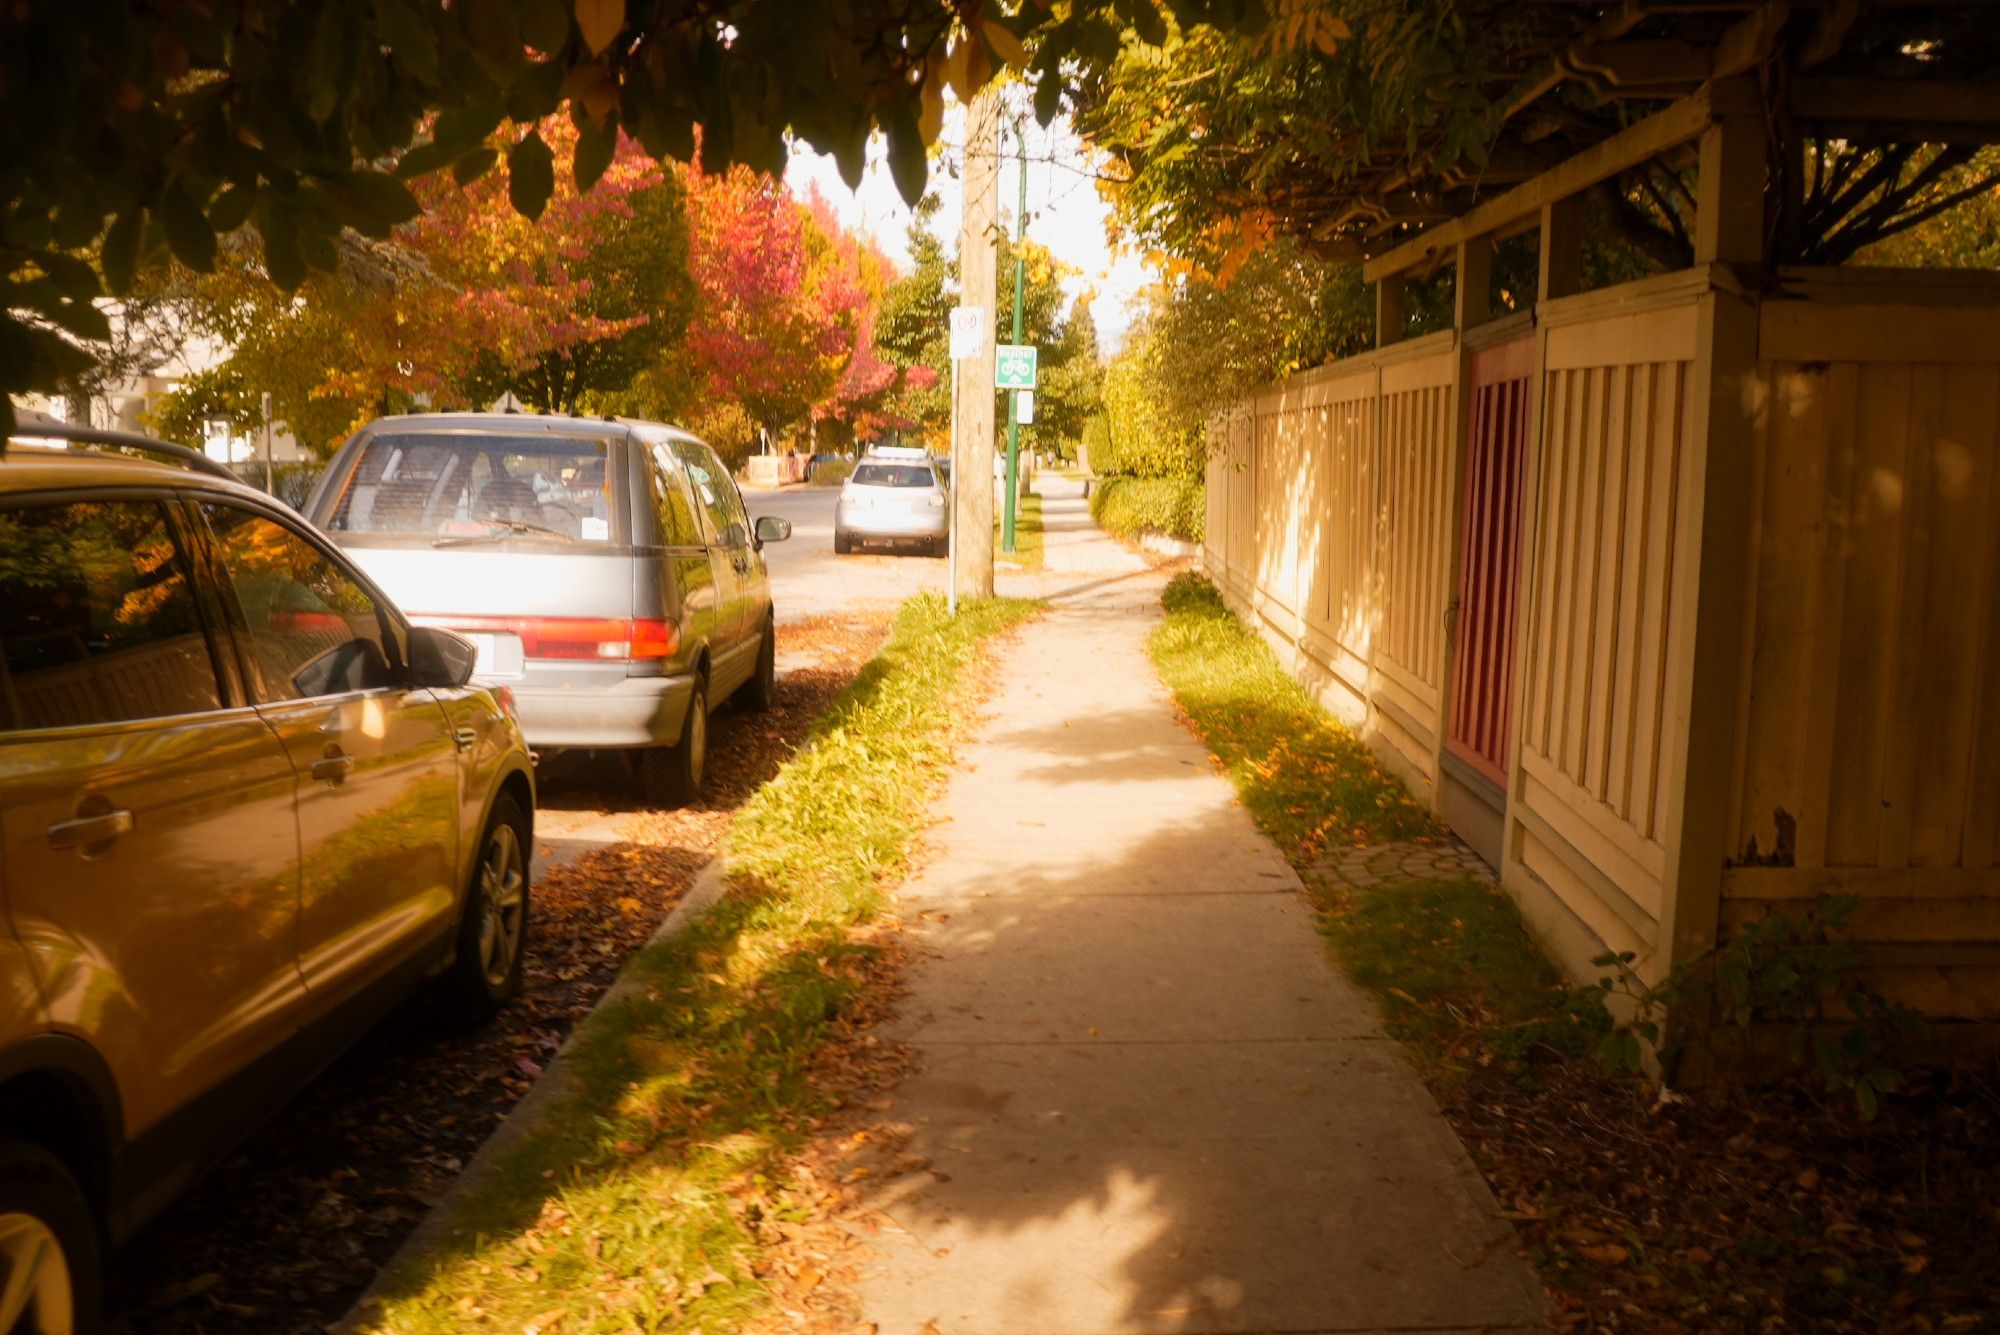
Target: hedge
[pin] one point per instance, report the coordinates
(1129, 506)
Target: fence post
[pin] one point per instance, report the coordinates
(1728, 408)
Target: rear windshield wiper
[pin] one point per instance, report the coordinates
(502, 527)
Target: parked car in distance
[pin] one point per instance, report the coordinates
(895, 497)
(245, 809)
(605, 569)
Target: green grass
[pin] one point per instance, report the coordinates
(1456, 973)
(1459, 978)
(1308, 781)
(633, 1201)
(1027, 533)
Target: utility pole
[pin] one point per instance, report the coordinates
(1014, 396)
(971, 483)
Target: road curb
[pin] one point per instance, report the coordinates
(710, 883)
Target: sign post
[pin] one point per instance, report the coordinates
(1013, 371)
(968, 340)
(1014, 418)
(270, 482)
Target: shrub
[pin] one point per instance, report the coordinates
(291, 482)
(1797, 971)
(1129, 506)
(1144, 438)
(728, 431)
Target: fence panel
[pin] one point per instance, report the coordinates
(1602, 627)
(1869, 754)
(1482, 681)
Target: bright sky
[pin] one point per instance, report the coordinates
(1065, 212)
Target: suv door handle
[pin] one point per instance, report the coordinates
(84, 831)
(334, 766)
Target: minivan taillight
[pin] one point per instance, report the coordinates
(588, 637)
(614, 639)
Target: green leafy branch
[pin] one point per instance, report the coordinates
(1798, 972)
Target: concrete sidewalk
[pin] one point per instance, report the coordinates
(1148, 1101)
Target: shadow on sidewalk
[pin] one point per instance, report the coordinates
(1150, 1103)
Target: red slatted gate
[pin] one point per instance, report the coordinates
(1482, 683)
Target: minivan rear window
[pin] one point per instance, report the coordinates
(894, 475)
(451, 484)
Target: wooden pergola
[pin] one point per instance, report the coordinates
(1855, 71)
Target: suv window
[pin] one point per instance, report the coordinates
(312, 630)
(98, 623)
(717, 494)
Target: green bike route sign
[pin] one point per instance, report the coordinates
(1014, 367)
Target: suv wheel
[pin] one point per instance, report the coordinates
(761, 692)
(493, 934)
(842, 544)
(672, 775)
(50, 1280)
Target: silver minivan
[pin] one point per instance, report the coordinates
(606, 570)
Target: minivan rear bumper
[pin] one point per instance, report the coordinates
(621, 714)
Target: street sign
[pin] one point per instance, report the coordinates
(1024, 407)
(1014, 367)
(968, 332)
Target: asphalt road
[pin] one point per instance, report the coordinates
(808, 580)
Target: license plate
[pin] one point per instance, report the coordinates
(499, 655)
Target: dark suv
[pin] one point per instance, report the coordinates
(245, 808)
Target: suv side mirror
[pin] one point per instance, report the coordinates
(440, 658)
(770, 528)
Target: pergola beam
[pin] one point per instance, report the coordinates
(1936, 111)
(1675, 125)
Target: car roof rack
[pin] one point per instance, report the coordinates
(40, 426)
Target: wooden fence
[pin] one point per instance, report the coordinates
(1868, 758)
(1516, 565)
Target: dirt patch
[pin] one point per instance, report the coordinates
(283, 1235)
(1746, 1209)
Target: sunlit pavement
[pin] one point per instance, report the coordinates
(1148, 1101)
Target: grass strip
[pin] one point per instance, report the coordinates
(1308, 781)
(1454, 969)
(1027, 551)
(1732, 1209)
(633, 1203)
